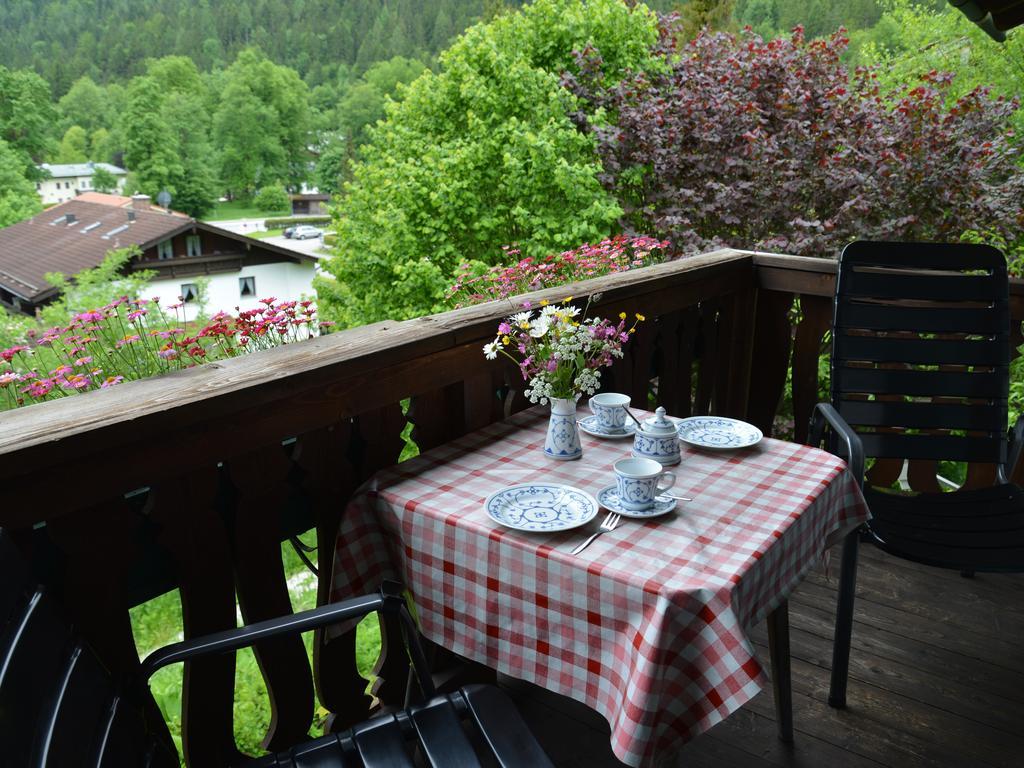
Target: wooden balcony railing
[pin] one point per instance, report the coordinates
(192, 480)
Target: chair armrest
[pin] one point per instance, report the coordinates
(1015, 447)
(825, 415)
(389, 599)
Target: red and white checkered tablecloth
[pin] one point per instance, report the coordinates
(648, 625)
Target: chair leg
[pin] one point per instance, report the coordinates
(844, 622)
(778, 650)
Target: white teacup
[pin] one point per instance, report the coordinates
(610, 409)
(637, 482)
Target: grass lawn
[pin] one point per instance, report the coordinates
(240, 209)
(266, 233)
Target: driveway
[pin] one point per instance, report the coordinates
(312, 246)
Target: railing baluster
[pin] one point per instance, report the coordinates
(708, 368)
(773, 342)
(329, 479)
(260, 478)
(199, 543)
(816, 320)
(438, 416)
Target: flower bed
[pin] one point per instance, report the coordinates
(133, 338)
(476, 283)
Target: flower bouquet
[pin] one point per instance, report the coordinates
(560, 355)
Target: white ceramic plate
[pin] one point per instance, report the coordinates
(718, 433)
(609, 499)
(592, 426)
(541, 507)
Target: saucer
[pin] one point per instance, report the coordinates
(592, 426)
(541, 507)
(609, 499)
(718, 433)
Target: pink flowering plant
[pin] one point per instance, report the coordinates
(133, 338)
(476, 284)
(557, 353)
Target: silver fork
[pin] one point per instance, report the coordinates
(610, 523)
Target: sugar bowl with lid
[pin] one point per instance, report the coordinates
(656, 438)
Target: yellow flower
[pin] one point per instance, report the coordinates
(567, 299)
(640, 317)
(504, 339)
(622, 315)
(543, 302)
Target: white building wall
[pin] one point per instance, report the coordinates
(61, 190)
(284, 281)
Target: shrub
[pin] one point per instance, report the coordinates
(774, 145)
(290, 221)
(272, 198)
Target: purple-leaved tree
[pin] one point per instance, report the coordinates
(774, 145)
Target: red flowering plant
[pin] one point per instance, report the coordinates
(136, 338)
(774, 145)
(476, 283)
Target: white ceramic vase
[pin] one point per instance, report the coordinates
(563, 438)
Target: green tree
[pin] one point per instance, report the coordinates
(103, 180)
(911, 40)
(85, 104)
(363, 105)
(18, 197)
(272, 199)
(26, 117)
(262, 124)
(101, 146)
(151, 151)
(482, 154)
(74, 147)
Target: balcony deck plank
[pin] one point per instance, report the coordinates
(936, 679)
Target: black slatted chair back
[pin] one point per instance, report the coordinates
(58, 705)
(920, 350)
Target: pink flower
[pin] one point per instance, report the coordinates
(9, 377)
(7, 354)
(83, 361)
(111, 381)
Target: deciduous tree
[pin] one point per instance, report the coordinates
(18, 197)
(478, 156)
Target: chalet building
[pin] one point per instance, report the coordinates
(76, 235)
(68, 181)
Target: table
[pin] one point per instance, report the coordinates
(648, 625)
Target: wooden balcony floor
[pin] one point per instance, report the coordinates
(936, 679)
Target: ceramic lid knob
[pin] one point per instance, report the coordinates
(658, 425)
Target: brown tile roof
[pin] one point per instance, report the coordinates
(48, 243)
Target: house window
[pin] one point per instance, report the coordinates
(193, 245)
(246, 287)
(189, 292)
(164, 250)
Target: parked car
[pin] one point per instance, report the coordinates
(289, 231)
(304, 231)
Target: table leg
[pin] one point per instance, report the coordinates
(778, 650)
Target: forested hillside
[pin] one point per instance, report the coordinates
(110, 39)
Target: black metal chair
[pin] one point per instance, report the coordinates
(920, 369)
(60, 707)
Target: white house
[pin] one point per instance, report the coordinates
(66, 181)
(183, 253)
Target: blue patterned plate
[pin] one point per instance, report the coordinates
(592, 426)
(541, 507)
(718, 433)
(609, 499)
